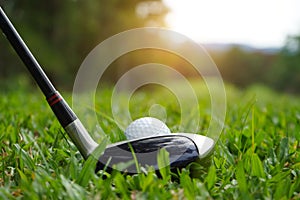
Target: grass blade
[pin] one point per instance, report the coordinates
(241, 179)
(89, 166)
(257, 167)
(163, 162)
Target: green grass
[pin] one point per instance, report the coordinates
(256, 157)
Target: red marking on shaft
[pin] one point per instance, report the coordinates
(55, 98)
(52, 97)
(55, 101)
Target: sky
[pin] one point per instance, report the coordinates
(258, 23)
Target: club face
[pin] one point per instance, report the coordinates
(183, 149)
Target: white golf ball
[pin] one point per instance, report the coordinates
(146, 126)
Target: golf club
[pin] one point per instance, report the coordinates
(183, 148)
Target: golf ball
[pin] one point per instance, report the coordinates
(146, 126)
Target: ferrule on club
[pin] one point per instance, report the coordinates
(81, 138)
(72, 125)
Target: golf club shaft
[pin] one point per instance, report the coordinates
(26, 56)
(63, 112)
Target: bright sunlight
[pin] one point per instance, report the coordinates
(257, 23)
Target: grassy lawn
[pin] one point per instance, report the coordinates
(256, 157)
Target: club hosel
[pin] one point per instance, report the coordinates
(72, 125)
(81, 138)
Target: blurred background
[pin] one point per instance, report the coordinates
(251, 42)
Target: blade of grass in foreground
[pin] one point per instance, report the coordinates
(88, 169)
(257, 166)
(241, 179)
(163, 162)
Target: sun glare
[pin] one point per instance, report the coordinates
(257, 23)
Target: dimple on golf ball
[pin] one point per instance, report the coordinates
(146, 126)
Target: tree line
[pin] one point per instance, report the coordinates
(279, 70)
(61, 34)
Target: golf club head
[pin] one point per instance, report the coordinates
(183, 148)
